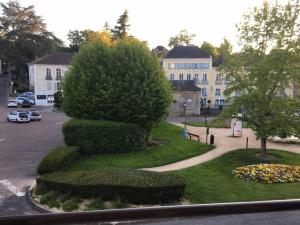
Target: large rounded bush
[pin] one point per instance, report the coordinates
(133, 186)
(124, 83)
(104, 136)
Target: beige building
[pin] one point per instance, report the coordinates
(46, 74)
(190, 63)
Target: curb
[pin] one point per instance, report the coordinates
(33, 203)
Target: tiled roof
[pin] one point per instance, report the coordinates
(59, 58)
(184, 85)
(187, 52)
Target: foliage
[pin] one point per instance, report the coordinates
(104, 136)
(120, 83)
(50, 199)
(183, 38)
(78, 38)
(23, 35)
(269, 173)
(58, 159)
(134, 186)
(264, 71)
(213, 51)
(120, 31)
(205, 182)
(71, 204)
(172, 148)
(95, 204)
(58, 99)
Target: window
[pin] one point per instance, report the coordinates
(181, 76)
(49, 86)
(196, 76)
(217, 102)
(185, 66)
(227, 78)
(58, 74)
(204, 91)
(48, 74)
(41, 97)
(222, 102)
(204, 77)
(196, 65)
(189, 66)
(188, 77)
(172, 76)
(50, 99)
(218, 78)
(58, 86)
(177, 66)
(193, 66)
(218, 92)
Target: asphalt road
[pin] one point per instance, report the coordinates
(266, 218)
(22, 146)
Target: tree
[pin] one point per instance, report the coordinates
(225, 48)
(24, 36)
(183, 38)
(264, 71)
(78, 38)
(213, 51)
(120, 31)
(120, 83)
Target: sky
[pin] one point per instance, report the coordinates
(154, 21)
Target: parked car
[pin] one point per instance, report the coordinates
(29, 97)
(34, 115)
(18, 117)
(26, 103)
(28, 94)
(21, 99)
(12, 103)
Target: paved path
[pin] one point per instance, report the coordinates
(224, 144)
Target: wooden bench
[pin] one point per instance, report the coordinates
(194, 135)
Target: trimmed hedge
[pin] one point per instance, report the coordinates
(58, 159)
(133, 186)
(104, 136)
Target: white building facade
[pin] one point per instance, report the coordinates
(46, 75)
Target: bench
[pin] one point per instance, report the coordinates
(194, 135)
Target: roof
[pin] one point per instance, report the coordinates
(187, 52)
(184, 85)
(58, 58)
(160, 48)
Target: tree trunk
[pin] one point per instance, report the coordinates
(263, 147)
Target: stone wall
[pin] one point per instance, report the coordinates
(180, 97)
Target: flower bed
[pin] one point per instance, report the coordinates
(269, 173)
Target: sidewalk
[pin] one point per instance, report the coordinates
(224, 144)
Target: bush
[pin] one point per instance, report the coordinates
(124, 82)
(132, 186)
(71, 204)
(96, 204)
(50, 199)
(58, 99)
(104, 136)
(58, 159)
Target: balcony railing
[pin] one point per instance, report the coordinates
(218, 82)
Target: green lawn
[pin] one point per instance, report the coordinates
(174, 149)
(213, 182)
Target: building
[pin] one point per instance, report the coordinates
(191, 64)
(46, 74)
(186, 98)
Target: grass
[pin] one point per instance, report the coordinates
(213, 182)
(174, 148)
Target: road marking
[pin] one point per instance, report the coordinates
(59, 123)
(12, 188)
(2, 139)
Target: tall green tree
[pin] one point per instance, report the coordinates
(78, 38)
(263, 73)
(183, 38)
(124, 82)
(210, 48)
(24, 35)
(120, 31)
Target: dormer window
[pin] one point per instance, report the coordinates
(58, 74)
(48, 74)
